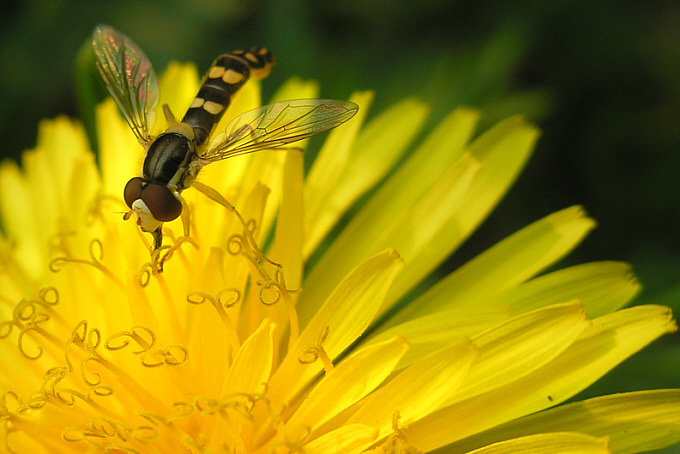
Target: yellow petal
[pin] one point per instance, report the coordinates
(347, 439)
(549, 443)
(84, 182)
(522, 345)
(337, 324)
(418, 390)
(401, 192)
(287, 249)
(501, 153)
(266, 167)
(436, 331)
(18, 216)
(350, 381)
(505, 265)
(324, 201)
(634, 422)
(226, 176)
(506, 351)
(42, 169)
(601, 287)
(120, 155)
(604, 344)
(296, 88)
(250, 370)
(178, 86)
(42, 192)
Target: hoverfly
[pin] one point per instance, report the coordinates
(175, 157)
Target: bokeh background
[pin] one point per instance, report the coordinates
(602, 80)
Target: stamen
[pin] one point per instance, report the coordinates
(66, 396)
(291, 447)
(160, 256)
(96, 257)
(246, 245)
(9, 404)
(270, 293)
(229, 297)
(89, 341)
(249, 227)
(97, 211)
(100, 433)
(58, 243)
(235, 244)
(241, 403)
(314, 352)
(29, 317)
(184, 410)
(177, 243)
(145, 339)
(49, 296)
(144, 274)
(199, 298)
(271, 290)
(28, 327)
(397, 443)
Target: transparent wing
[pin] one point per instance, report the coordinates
(128, 76)
(277, 125)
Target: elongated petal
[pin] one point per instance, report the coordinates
(287, 248)
(324, 199)
(549, 443)
(506, 265)
(601, 287)
(443, 148)
(246, 375)
(178, 85)
(350, 381)
(607, 342)
(18, 214)
(36, 204)
(528, 341)
(435, 331)
(418, 390)
(342, 318)
(266, 167)
(634, 422)
(522, 345)
(347, 439)
(501, 152)
(114, 136)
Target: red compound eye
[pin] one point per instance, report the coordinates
(161, 202)
(132, 191)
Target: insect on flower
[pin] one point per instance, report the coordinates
(175, 157)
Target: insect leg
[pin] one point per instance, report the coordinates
(186, 217)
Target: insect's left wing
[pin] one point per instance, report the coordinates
(128, 76)
(279, 124)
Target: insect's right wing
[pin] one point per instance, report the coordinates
(128, 76)
(277, 125)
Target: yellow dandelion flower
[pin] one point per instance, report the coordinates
(337, 349)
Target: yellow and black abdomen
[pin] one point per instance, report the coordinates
(224, 78)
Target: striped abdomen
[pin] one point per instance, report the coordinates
(226, 75)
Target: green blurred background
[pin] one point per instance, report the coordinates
(602, 80)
